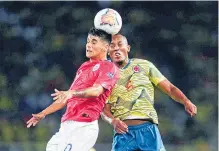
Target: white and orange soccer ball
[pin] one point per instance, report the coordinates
(108, 20)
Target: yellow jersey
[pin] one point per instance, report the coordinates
(133, 95)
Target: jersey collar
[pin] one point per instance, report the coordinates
(126, 64)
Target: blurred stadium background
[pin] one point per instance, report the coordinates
(43, 43)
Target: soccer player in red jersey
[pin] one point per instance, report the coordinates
(85, 99)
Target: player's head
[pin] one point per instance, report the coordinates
(98, 42)
(119, 49)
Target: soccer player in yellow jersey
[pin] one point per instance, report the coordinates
(130, 107)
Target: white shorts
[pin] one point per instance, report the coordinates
(74, 136)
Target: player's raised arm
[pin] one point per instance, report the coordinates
(93, 91)
(107, 77)
(177, 95)
(55, 106)
(63, 96)
(167, 87)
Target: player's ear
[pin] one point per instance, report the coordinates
(106, 48)
(129, 48)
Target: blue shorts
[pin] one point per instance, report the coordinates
(143, 137)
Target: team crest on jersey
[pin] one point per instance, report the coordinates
(136, 69)
(96, 67)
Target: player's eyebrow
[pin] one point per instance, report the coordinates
(94, 40)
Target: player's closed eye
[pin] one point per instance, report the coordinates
(94, 41)
(120, 45)
(112, 46)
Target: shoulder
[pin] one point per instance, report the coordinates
(108, 63)
(109, 66)
(84, 63)
(141, 61)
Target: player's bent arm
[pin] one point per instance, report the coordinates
(118, 125)
(93, 91)
(55, 106)
(106, 115)
(176, 94)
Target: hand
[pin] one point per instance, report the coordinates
(35, 119)
(190, 108)
(119, 126)
(61, 96)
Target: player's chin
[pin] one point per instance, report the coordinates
(118, 60)
(89, 55)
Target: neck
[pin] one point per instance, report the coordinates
(122, 64)
(99, 59)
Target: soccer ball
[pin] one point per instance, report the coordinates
(108, 20)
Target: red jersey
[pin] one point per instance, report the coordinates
(104, 73)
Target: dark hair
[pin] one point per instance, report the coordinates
(100, 33)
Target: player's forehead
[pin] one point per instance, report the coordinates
(92, 37)
(118, 39)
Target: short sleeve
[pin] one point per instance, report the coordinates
(155, 75)
(108, 76)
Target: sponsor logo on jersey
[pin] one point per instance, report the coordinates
(110, 75)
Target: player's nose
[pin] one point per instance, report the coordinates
(116, 50)
(88, 46)
(116, 47)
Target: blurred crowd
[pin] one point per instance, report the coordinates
(42, 44)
